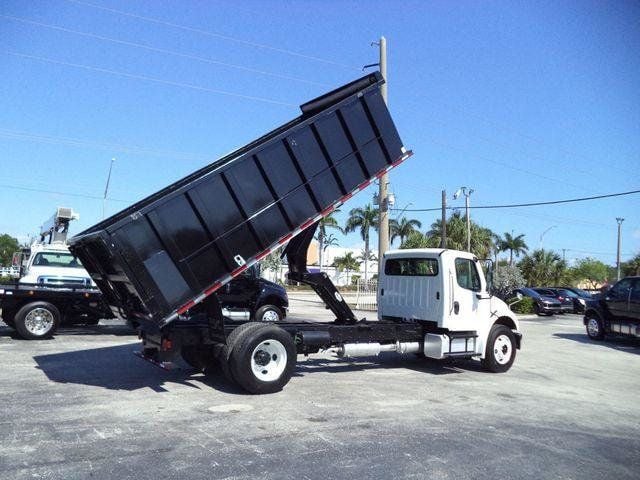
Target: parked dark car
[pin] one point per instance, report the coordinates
(580, 297)
(616, 311)
(543, 305)
(251, 297)
(566, 302)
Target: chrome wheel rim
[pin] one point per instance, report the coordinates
(268, 360)
(593, 327)
(270, 316)
(502, 349)
(38, 321)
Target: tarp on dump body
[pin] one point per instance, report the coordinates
(162, 255)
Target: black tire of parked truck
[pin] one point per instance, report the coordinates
(500, 351)
(224, 352)
(262, 358)
(594, 326)
(7, 318)
(268, 313)
(37, 320)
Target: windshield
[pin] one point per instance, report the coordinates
(56, 259)
(582, 293)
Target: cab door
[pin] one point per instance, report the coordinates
(469, 303)
(616, 300)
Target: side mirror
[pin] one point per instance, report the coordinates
(519, 296)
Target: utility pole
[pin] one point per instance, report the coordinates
(619, 220)
(106, 189)
(563, 252)
(383, 227)
(443, 239)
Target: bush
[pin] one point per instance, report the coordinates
(526, 305)
(354, 279)
(505, 280)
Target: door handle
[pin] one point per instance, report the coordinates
(382, 292)
(456, 307)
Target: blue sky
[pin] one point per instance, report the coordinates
(522, 101)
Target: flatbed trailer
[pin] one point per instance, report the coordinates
(160, 261)
(35, 310)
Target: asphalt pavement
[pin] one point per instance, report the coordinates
(83, 406)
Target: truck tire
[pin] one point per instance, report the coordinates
(268, 313)
(500, 351)
(263, 359)
(37, 320)
(200, 357)
(224, 353)
(595, 328)
(7, 318)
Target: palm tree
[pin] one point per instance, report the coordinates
(364, 219)
(403, 228)
(543, 267)
(326, 222)
(481, 238)
(346, 263)
(513, 244)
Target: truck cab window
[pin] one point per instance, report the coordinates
(411, 267)
(467, 275)
(621, 289)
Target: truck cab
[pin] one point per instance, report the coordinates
(448, 290)
(251, 297)
(617, 311)
(53, 265)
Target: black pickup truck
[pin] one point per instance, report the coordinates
(615, 312)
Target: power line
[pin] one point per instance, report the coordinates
(151, 79)
(532, 204)
(216, 35)
(162, 50)
(80, 195)
(76, 142)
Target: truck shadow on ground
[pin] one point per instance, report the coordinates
(117, 368)
(623, 344)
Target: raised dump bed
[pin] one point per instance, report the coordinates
(162, 255)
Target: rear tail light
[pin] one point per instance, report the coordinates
(167, 344)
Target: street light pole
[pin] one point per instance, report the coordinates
(466, 191)
(544, 233)
(619, 220)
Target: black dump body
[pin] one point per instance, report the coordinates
(160, 256)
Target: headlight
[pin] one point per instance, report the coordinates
(581, 301)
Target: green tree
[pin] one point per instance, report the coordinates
(321, 235)
(632, 267)
(8, 246)
(363, 219)
(416, 240)
(543, 267)
(514, 245)
(403, 228)
(347, 263)
(593, 271)
(482, 239)
(272, 262)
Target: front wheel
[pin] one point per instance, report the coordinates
(268, 313)
(37, 320)
(500, 351)
(595, 330)
(263, 359)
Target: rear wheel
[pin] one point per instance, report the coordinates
(37, 320)
(500, 351)
(263, 359)
(595, 329)
(200, 357)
